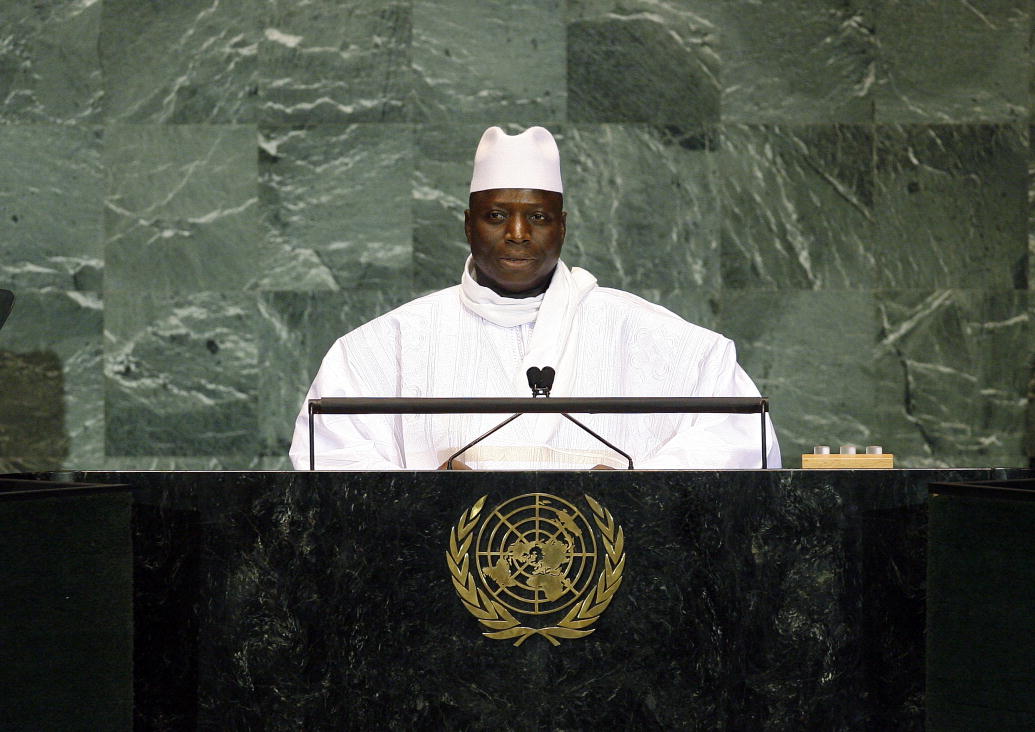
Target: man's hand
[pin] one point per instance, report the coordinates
(457, 465)
(601, 467)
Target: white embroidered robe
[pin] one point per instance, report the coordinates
(620, 345)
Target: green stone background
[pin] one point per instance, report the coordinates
(197, 197)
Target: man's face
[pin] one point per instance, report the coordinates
(516, 237)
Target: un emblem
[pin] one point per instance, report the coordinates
(536, 555)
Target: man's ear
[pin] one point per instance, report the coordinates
(467, 224)
(564, 225)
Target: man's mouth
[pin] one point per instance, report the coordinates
(516, 261)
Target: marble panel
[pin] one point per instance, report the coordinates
(489, 62)
(180, 212)
(1030, 421)
(950, 206)
(50, 359)
(50, 70)
(643, 211)
(1031, 208)
(1031, 69)
(51, 207)
(643, 61)
(441, 185)
(797, 207)
(811, 354)
(295, 332)
(328, 61)
(798, 61)
(181, 374)
(191, 61)
(335, 201)
(958, 363)
(952, 61)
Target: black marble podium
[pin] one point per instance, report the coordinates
(247, 600)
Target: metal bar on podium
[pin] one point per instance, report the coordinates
(528, 405)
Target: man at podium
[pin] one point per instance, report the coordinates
(519, 306)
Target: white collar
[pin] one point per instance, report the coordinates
(552, 342)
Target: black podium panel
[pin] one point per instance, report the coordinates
(66, 607)
(744, 600)
(981, 606)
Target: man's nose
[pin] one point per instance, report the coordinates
(517, 230)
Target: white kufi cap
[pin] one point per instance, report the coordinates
(528, 160)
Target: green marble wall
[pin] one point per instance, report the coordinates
(197, 197)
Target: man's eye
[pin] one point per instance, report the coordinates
(495, 215)
(538, 217)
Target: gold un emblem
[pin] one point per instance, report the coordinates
(535, 555)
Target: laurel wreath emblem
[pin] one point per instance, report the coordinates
(502, 623)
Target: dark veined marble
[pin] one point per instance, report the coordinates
(925, 373)
(336, 204)
(50, 69)
(810, 353)
(52, 386)
(51, 220)
(160, 358)
(488, 62)
(643, 211)
(950, 206)
(642, 61)
(441, 186)
(798, 207)
(188, 62)
(798, 61)
(948, 393)
(952, 62)
(324, 61)
(749, 600)
(1031, 206)
(180, 209)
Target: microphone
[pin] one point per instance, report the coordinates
(540, 381)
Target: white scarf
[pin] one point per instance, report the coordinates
(553, 312)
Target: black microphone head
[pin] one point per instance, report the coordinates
(534, 377)
(548, 373)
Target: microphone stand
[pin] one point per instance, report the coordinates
(621, 452)
(543, 385)
(541, 382)
(475, 441)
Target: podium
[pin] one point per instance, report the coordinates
(322, 600)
